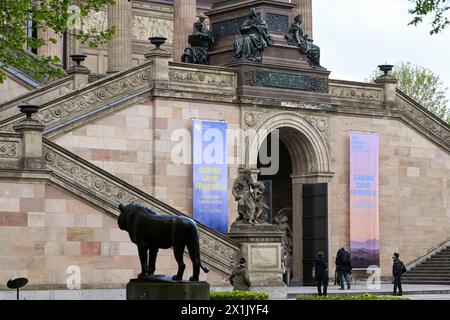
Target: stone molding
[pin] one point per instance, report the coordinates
(309, 146)
(253, 117)
(219, 251)
(424, 120)
(89, 98)
(38, 96)
(222, 79)
(9, 150)
(354, 92)
(9, 147)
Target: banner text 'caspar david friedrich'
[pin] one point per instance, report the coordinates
(364, 199)
(210, 174)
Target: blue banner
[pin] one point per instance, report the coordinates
(210, 174)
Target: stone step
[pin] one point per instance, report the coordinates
(434, 270)
(426, 276)
(425, 272)
(435, 282)
(435, 263)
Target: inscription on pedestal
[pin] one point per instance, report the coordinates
(227, 27)
(286, 81)
(277, 22)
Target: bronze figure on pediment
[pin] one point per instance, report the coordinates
(255, 38)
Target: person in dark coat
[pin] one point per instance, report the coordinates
(397, 269)
(239, 277)
(344, 267)
(321, 273)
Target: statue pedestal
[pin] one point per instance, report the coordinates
(261, 247)
(162, 288)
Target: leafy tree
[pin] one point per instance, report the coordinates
(424, 86)
(62, 16)
(438, 8)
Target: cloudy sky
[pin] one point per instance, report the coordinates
(357, 35)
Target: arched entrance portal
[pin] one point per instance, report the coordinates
(299, 189)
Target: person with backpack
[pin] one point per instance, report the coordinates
(344, 265)
(398, 268)
(239, 278)
(321, 273)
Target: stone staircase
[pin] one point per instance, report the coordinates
(105, 191)
(433, 270)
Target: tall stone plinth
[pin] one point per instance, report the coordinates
(261, 247)
(285, 72)
(162, 288)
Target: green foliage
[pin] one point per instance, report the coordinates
(239, 295)
(359, 297)
(422, 85)
(62, 16)
(438, 8)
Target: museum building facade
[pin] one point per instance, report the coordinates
(105, 135)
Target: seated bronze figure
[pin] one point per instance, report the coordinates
(305, 44)
(201, 41)
(255, 38)
(151, 231)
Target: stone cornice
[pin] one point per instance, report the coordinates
(92, 182)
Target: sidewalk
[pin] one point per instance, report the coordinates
(385, 289)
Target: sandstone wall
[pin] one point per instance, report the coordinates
(414, 189)
(126, 145)
(43, 231)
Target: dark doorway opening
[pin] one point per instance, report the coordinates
(279, 197)
(315, 227)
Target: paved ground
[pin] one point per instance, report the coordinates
(429, 297)
(415, 292)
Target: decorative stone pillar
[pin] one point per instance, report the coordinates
(51, 49)
(31, 143)
(119, 47)
(80, 73)
(261, 247)
(389, 84)
(304, 8)
(184, 16)
(159, 78)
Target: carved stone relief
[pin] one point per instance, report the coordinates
(9, 150)
(202, 78)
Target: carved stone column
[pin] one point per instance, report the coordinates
(304, 8)
(51, 49)
(184, 15)
(119, 47)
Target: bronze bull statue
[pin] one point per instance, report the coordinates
(151, 231)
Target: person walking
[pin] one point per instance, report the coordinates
(321, 273)
(398, 268)
(344, 265)
(239, 277)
